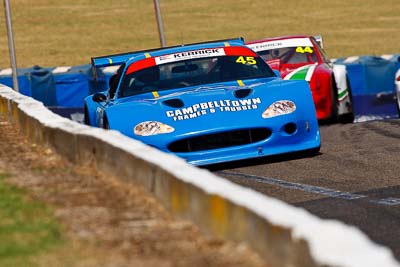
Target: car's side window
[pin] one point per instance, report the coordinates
(298, 57)
(142, 81)
(114, 80)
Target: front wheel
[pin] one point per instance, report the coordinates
(106, 125)
(86, 118)
(398, 100)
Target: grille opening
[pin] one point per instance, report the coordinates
(242, 93)
(174, 103)
(220, 140)
(290, 128)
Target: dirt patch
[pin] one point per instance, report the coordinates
(108, 222)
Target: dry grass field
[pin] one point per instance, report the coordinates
(64, 33)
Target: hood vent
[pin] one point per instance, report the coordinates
(174, 103)
(242, 93)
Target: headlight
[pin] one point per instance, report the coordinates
(147, 128)
(278, 108)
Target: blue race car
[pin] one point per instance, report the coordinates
(208, 103)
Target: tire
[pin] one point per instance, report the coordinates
(313, 151)
(106, 125)
(333, 118)
(86, 118)
(398, 101)
(349, 117)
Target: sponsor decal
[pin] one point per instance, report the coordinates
(295, 42)
(278, 108)
(148, 128)
(212, 107)
(166, 58)
(201, 53)
(265, 46)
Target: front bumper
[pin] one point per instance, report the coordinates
(305, 137)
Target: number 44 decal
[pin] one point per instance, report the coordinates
(302, 50)
(246, 60)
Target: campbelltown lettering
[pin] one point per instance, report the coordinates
(204, 108)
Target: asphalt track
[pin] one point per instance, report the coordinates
(355, 178)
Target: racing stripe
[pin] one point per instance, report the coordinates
(343, 94)
(239, 51)
(302, 73)
(299, 74)
(240, 82)
(141, 64)
(310, 72)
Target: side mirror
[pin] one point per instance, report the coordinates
(319, 40)
(99, 97)
(277, 73)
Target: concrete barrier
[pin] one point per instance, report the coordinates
(283, 235)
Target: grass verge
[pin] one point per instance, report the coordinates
(67, 33)
(27, 227)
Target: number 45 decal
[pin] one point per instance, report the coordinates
(246, 60)
(302, 50)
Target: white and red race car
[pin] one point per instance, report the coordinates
(302, 58)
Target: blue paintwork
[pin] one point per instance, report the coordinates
(215, 112)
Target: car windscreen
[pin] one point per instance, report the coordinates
(290, 55)
(194, 72)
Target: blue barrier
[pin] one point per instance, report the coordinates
(24, 80)
(372, 82)
(75, 84)
(63, 89)
(43, 86)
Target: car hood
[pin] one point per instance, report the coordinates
(194, 110)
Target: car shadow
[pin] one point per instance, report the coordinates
(261, 160)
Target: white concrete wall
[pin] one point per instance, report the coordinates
(283, 235)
